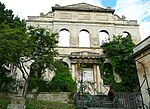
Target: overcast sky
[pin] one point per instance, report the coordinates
(133, 9)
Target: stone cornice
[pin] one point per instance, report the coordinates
(86, 22)
(142, 46)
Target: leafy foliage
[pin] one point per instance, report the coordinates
(16, 41)
(43, 43)
(12, 35)
(36, 85)
(6, 83)
(62, 81)
(4, 103)
(12, 40)
(7, 17)
(119, 51)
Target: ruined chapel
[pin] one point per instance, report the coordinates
(82, 29)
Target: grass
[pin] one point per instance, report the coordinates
(4, 102)
(39, 104)
(43, 104)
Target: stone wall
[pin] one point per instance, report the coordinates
(53, 96)
(19, 102)
(59, 97)
(94, 22)
(7, 95)
(142, 58)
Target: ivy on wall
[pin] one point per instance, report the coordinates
(119, 52)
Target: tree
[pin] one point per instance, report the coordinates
(43, 43)
(119, 51)
(8, 18)
(12, 40)
(11, 33)
(19, 45)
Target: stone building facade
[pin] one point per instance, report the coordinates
(83, 28)
(142, 59)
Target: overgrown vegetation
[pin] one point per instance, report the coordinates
(19, 45)
(39, 104)
(42, 44)
(7, 84)
(4, 102)
(61, 82)
(119, 52)
(12, 41)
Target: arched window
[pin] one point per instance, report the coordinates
(125, 34)
(66, 64)
(84, 38)
(103, 37)
(64, 38)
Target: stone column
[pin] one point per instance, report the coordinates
(74, 72)
(98, 78)
(95, 77)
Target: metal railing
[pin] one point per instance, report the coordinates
(121, 99)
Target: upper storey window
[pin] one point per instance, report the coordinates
(125, 34)
(64, 38)
(103, 37)
(84, 38)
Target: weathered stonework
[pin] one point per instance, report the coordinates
(59, 97)
(17, 103)
(93, 19)
(142, 58)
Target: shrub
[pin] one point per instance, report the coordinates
(37, 83)
(62, 81)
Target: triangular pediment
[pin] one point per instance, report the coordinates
(82, 7)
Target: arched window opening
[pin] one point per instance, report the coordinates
(103, 37)
(66, 64)
(64, 38)
(84, 38)
(35, 70)
(125, 34)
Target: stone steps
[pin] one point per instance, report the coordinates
(97, 102)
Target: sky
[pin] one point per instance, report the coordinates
(132, 9)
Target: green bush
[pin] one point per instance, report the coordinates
(37, 83)
(62, 81)
(119, 51)
(7, 84)
(4, 102)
